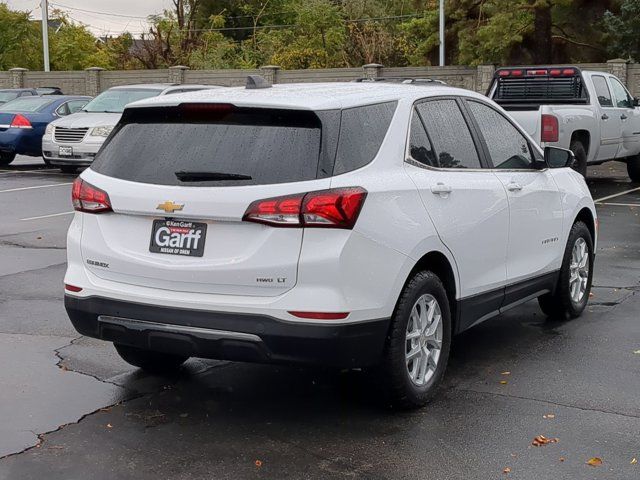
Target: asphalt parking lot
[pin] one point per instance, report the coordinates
(71, 409)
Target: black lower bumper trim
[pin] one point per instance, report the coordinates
(198, 333)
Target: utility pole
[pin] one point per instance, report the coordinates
(442, 33)
(44, 4)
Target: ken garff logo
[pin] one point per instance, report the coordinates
(170, 207)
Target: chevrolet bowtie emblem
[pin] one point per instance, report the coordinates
(170, 207)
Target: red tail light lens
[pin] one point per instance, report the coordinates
(72, 288)
(87, 198)
(335, 208)
(20, 121)
(550, 129)
(321, 315)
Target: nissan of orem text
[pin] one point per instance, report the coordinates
(354, 225)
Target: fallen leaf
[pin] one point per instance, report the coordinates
(38, 238)
(109, 425)
(549, 416)
(634, 461)
(258, 463)
(503, 382)
(562, 459)
(591, 295)
(505, 373)
(542, 440)
(506, 470)
(594, 462)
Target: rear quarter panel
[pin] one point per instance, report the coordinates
(571, 119)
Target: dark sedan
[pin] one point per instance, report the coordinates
(8, 94)
(24, 120)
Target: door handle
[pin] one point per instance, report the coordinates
(514, 187)
(623, 117)
(441, 189)
(604, 116)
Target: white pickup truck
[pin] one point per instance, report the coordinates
(591, 113)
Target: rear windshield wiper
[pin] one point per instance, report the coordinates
(205, 176)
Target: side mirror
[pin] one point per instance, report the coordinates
(559, 157)
(636, 102)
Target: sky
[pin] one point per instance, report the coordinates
(102, 17)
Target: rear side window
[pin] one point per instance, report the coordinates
(201, 146)
(362, 131)
(602, 91)
(449, 133)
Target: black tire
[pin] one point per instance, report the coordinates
(149, 361)
(559, 305)
(6, 158)
(400, 389)
(581, 157)
(68, 169)
(633, 168)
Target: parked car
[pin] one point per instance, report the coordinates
(591, 113)
(347, 224)
(49, 91)
(73, 142)
(23, 122)
(8, 94)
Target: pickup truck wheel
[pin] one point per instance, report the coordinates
(418, 343)
(6, 158)
(581, 157)
(633, 168)
(149, 361)
(574, 282)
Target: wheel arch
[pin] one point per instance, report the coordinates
(438, 263)
(586, 216)
(584, 137)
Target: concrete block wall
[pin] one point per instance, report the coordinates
(95, 80)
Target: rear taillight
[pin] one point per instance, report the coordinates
(20, 121)
(550, 129)
(335, 208)
(72, 288)
(89, 199)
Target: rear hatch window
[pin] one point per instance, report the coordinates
(224, 145)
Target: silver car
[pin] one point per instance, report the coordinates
(73, 141)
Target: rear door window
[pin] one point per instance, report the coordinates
(449, 133)
(420, 148)
(245, 146)
(602, 91)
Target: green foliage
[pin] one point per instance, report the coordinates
(624, 30)
(214, 34)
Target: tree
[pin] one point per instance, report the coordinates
(624, 30)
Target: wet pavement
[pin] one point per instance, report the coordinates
(71, 409)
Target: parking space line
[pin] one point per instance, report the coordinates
(620, 204)
(616, 195)
(46, 216)
(37, 186)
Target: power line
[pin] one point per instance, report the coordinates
(98, 13)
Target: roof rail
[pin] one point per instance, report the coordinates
(405, 80)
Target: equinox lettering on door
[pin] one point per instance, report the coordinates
(178, 237)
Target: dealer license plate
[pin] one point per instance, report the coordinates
(178, 237)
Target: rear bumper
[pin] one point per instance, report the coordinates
(228, 336)
(19, 141)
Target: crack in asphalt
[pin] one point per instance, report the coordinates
(548, 402)
(9, 243)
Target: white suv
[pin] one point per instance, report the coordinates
(343, 224)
